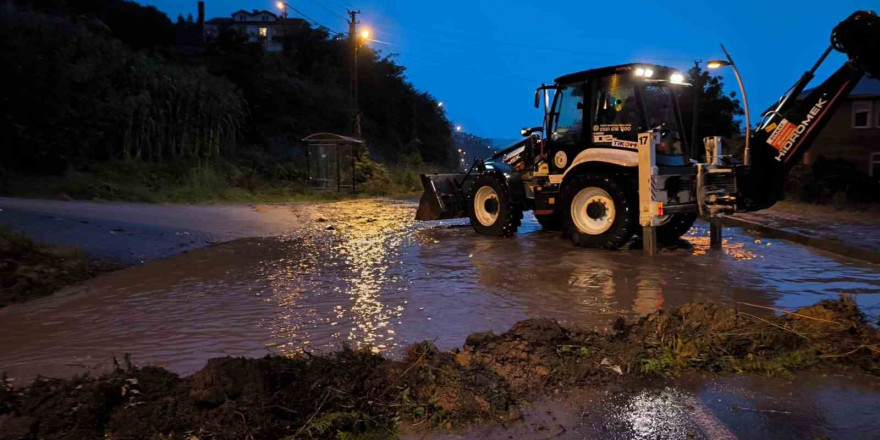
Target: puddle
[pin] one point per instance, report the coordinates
(370, 276)
(807, 406)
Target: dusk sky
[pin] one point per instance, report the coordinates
(484, 58)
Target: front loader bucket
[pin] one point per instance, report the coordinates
(443, 197)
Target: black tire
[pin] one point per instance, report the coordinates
(509, 216)
(677, 226)
(623, 221)
(550, 222)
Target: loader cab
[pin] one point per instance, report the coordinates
(609, 107)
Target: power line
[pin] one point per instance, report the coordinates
(471, 38)
(340, 4)
(315, 22)
(334, 13)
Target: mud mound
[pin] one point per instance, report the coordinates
(30, 270)
(718, 337)
(353, 393)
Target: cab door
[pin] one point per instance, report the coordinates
(565, 134)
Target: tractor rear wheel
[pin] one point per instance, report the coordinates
(490, 210)
(600, 211)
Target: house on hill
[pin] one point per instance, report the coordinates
(259, 27)
(853, 133)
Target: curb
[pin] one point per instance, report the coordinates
(806, 240)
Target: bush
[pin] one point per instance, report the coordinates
(831, 181)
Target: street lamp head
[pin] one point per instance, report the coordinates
(458, 128)
(714, 64)
(280, 5)
(439, 104)
(365, 34)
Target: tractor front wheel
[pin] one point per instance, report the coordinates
(678, 224)
(491, 211)
(600, 211)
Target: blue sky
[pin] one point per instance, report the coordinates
(484, 58)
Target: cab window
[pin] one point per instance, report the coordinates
(615, 112)
(568, 112)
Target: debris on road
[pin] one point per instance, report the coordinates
(358, 392)
(30, 270)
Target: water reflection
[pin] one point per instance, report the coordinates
(341, 278)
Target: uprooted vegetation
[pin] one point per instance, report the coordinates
(356, 394)
(31, 270)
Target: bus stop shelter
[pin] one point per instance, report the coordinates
(331, 161)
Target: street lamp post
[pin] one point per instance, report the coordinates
(356, 39)
(720, 63)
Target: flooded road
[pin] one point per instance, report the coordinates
(808, 406)
(366, 275)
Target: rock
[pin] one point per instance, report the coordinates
(483, 403)
(513, 414)
(221, 379)
(542, 370)
(464, 359)
(446, 398)
(330, 228)
(16, 428)
(539, 330)
(477, 339)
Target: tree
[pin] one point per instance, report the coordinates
(718, 111)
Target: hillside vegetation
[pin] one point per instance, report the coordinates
(104, 105)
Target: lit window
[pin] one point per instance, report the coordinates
(861, 111)
(264, 32)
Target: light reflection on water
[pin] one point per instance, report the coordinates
(369, 276)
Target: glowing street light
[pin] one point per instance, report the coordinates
(365, 34)
(440, 104)
(458, 128)
(715, 64)
(282, 6)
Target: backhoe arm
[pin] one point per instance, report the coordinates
(789, 128)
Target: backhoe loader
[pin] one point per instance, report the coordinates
(611, 159)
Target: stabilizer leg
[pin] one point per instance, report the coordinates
(650, 245)
(715, 232)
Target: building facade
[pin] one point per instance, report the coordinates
(853, 133)
(258, 26)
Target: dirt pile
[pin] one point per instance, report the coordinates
(354, 394)
(719, 338)
(31, 270)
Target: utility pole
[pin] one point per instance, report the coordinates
(353, 88)
(696, 146)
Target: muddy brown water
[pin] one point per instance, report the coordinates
(369, 276)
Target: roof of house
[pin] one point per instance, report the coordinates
(219, 21)
(866, 87)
